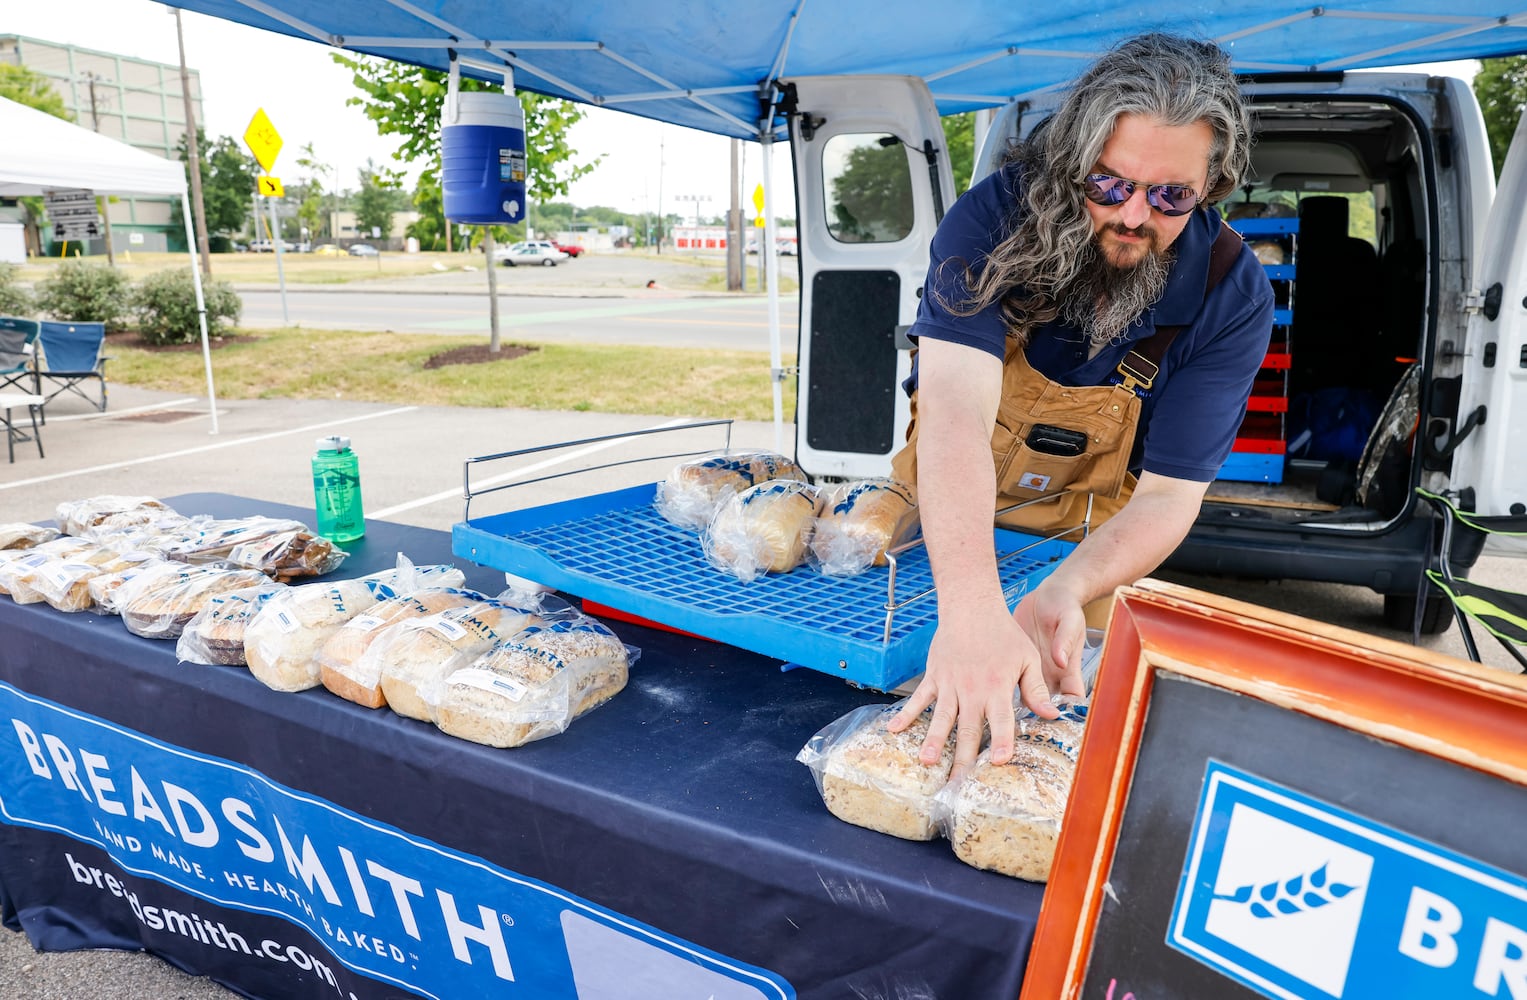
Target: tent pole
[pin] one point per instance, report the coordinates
(766, 251)
(201, 308)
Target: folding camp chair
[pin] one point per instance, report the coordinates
(71, 357)
(18, 341)
(1503, 613)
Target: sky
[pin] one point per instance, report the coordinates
(303, 93)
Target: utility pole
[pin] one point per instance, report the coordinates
(660, 193)
(104, 202)
(197, 208)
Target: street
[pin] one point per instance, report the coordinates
(733, 323)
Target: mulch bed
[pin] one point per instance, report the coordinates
(476, 354)
(131, 338)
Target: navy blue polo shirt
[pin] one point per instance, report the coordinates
(1189, 418)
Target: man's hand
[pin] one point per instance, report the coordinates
(1057, 625)
(975, 663)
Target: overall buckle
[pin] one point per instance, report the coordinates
(1137, 370)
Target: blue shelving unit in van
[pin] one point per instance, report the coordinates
(1261, 443)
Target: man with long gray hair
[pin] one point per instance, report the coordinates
(1088, 325)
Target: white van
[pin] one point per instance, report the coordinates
(1404, 355)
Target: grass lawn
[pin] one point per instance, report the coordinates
(389, 368)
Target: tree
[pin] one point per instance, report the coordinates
(1501, 87)
(407, 101)
(960, 141)
(227, 182)
(318, 171)
(379, 197)
(872, 197)
(26, 86)
(429, 227)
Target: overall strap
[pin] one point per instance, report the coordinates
(1142, 364)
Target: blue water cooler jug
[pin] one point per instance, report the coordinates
(482, 154)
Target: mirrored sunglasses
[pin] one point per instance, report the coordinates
(1168, 199)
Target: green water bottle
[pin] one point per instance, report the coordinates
(337, 490)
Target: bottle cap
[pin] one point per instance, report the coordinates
(335, 442)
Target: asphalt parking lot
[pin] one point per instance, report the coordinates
(412, 461)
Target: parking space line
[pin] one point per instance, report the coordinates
(251, 439)
(527, 470)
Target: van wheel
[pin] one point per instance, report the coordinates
(1400, 613)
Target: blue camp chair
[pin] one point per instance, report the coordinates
(18, 340)
(1502, 613)
(72, 358)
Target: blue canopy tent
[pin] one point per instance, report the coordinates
(700, 64)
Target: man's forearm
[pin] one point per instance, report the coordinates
(956, 494)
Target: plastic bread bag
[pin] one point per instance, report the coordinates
(24, 536)
(65, 582)
(871, 777)
(162, 612)
(216, 634)
(18, 573)
(693, 490)
(213, 541)
(405, 576)
(107, 589)
(1007, 817)
(76, 517)
(858, 522)
(414, 653)
(340, 660)
(286, 555)
(281, 642)
(531, 685)
(764, 529)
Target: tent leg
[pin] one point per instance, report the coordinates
(201, 309)
(771, 266)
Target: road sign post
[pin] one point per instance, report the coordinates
(265, 143)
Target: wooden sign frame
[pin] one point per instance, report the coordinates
(1457, 711)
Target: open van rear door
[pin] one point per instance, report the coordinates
(872, 181)
(1486, 439)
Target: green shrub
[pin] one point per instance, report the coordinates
(166, 307)
(14, 300)
(85, 293)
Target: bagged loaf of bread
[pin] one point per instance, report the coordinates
(162, 611)
(216, 634)
(871, 777)
(764, 529)
(24, 536)
(694, 489)
(858, 522)
(531, 685)
(64, 580)
(1006, 817)
(19, 575)
(215, 540)
(286, 555)
(341, 667)
(78, 517)
(415, 653)
(282, 640)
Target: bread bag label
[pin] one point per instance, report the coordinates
(364, 623)
(491, 681)
(449, 629)
(285, 620)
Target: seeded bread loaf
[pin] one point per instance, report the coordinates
(340, 660)
(420, 651)
(531, 686)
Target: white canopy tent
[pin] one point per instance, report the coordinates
(43, 153)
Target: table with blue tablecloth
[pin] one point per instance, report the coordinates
(291, 845)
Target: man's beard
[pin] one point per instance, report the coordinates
(1105, 299)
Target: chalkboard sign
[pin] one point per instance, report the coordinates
(1270, 807)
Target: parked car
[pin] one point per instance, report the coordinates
(571, 249)
(785, 247)
(363, 250)
(328, 250)
(536, 252)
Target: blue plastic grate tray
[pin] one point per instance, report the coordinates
(616, 549)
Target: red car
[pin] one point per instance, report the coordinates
(572, 250)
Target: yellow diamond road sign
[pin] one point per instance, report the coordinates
(270, 187)
(263, 140)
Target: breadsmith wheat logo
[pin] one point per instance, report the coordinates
(1301, 900)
